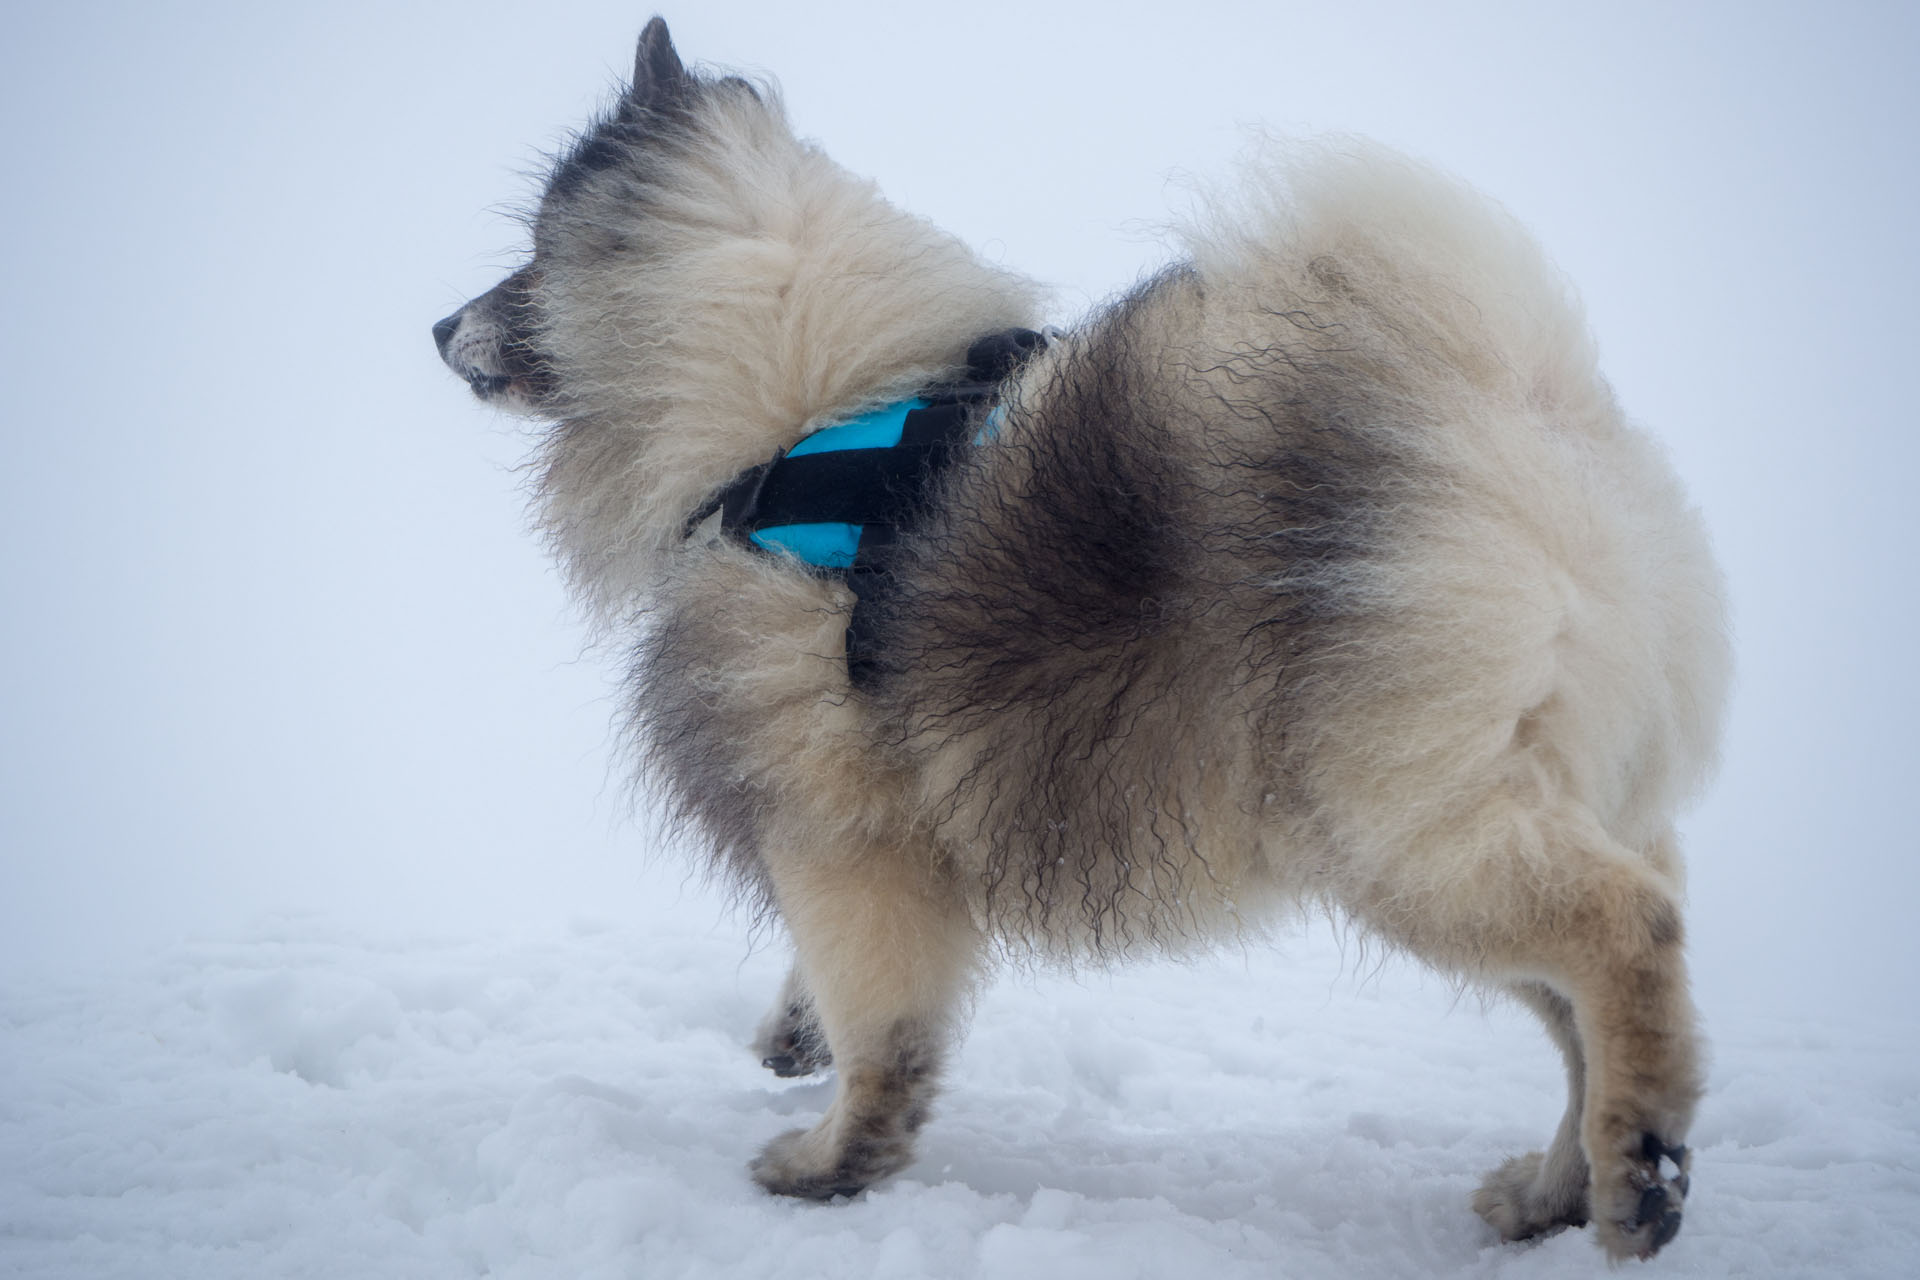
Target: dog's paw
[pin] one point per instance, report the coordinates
(1639, 1207)
(791, 1043)
(1516, 1203)
(808, 1164)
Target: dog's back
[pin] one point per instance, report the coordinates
(1292, 564)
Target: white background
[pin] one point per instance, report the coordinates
(273, 636)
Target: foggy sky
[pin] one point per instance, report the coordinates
(275, 637)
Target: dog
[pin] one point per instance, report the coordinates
(1320, 568)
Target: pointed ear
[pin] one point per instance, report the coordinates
(658, 76)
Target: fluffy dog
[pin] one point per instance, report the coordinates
(1322, 567)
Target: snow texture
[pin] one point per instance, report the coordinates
(309, 1102)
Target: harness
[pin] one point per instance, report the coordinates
(840, 499)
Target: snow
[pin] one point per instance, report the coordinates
(311, 1101)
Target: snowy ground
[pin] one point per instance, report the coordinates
(311, 1102)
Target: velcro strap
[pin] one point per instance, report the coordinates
(869, 486)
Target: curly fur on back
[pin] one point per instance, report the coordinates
(1351, 481)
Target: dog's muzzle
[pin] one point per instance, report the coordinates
(472, 348)
(486, 343)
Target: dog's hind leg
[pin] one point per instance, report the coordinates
(790, 1041)
(1544, 1191)
(887, 950)
(1539, 893)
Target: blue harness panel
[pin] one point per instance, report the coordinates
(829, 546)
(880, 429)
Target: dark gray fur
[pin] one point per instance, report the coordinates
(1145, 562)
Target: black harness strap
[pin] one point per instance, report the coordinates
(865, 498)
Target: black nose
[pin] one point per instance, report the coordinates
(443, 332)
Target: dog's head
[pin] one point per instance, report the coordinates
(499, 342)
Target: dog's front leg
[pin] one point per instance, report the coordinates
(886, 949)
